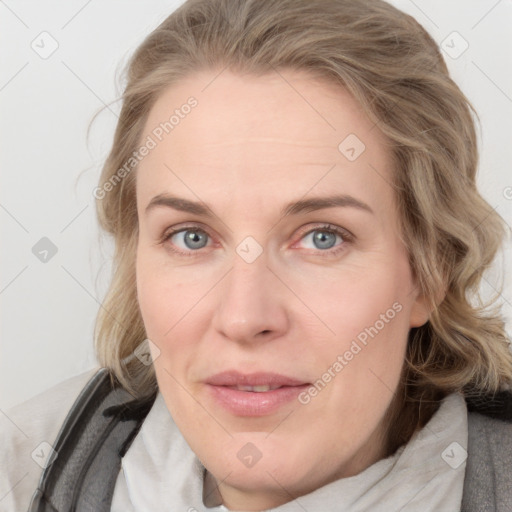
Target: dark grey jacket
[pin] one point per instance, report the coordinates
(488, 479)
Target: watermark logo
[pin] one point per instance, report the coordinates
(44, 250)
(249, 249)
(454, 455)
(151, 142)
(44, 455)
(249, 455)
(147, 352)
(454, 45)
(356, 346)
(351, 147)
(45, 45)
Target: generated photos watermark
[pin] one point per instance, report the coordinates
(356, 346)
(151, 142)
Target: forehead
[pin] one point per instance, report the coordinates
(283, 130)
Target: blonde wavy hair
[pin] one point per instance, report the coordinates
(394, 69)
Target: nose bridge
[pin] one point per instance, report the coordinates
(248, 279)
(250, 301)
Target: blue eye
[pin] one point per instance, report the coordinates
(324, 238)
(188, 239)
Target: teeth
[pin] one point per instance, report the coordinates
(257, 389)
(261, 389)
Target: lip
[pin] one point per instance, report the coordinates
(221, 387)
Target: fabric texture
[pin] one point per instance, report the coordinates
(27, 431)
(488, 483)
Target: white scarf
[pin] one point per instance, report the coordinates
(161, 473)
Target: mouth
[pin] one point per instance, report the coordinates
(255, 394)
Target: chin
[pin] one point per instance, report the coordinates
(256, 464)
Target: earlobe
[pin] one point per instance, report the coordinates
(420, 312)
(422, 308)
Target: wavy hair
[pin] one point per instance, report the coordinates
(394, 69)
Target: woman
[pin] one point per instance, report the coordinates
(299, 239)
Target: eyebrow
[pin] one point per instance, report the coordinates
(293, 208)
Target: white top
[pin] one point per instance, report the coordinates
(27, 432)
(160, 472)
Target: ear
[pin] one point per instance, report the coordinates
(422, 308)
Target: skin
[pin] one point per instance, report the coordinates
(251, 146)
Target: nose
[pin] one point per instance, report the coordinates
(251, 303)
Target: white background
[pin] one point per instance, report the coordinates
(49, 168)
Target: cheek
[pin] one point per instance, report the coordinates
(354, 302)
(172, 303)
(155, 304)
(368, 313)
(166, 306)
(163, 294)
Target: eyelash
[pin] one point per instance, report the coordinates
(326, 228)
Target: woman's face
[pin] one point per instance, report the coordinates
(280, 307)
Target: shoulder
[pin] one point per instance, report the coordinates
(490, 420)
(490, 439)
(28, 431)
(489, 459)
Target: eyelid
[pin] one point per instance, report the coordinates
(325, 226)
(172, 230)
